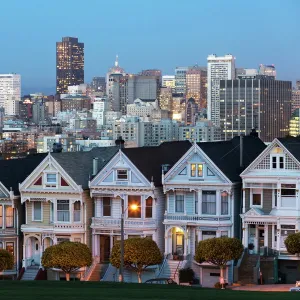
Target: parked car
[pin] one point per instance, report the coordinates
(161, 281)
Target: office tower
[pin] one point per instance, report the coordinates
(165, 98)
(196, 85)
(298, 84)
(10, 93)
(152, 72)
(98, 84)
(191, 110)
(75, 103)
(180, 80)
(218, 68)
(295, 123)
(295, 99)
(178, 107)
(69, 64)
(168, 81)
(100, 106)
(268, 70)
(115, 88)
(260, 103)
(40, 112)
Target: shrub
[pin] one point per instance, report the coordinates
(186, 275)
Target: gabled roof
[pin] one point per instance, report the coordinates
(150, 159)
(15, 171)
(79, 165)
(226, 154)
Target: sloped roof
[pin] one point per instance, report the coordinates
(150, 159)
(79, 165)
(15, 171)
(226, 154)
(293, 145)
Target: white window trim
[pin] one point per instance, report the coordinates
(42, 212)
(179, 194)
(261, 197)
(277, 161)
(217, 213)
(80, 215)
(45, 182)
(70, 212)
(190, 169)
(102, 207)
(128, 174)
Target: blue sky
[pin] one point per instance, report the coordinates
(148, 34)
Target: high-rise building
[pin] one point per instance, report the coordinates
(218, 68)
(69, 64)
(10, 93)
(196, 85)
(268, 70)
(295, 99)
(98, 84)
(295, 123)
(191, 110)
(152, 72)
(180, 80)
(261, 103)
(165, 98)
(168, 81)
(100, 106)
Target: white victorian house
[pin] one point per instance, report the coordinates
(57, 203)
(271, 208)
(132, 176)
(203, 192)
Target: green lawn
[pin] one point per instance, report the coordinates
(55, 290)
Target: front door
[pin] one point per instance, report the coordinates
(261, 240)
(179, 244)
(104, 248)
(35, 250)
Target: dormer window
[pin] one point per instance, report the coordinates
(277, 162)
(51, 180)
(122, 175)
(196, 170)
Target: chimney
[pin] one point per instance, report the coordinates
(120, 142)
(165, 168)
(241, 151)
(253, 132)
(95, 166)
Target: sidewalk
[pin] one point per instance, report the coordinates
(265, 288)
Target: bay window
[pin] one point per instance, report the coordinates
(63, 211)
(209, 202)
(37, 211)
(9, 217)
(77, 210)
(134, 200)
(288, 195)
(179, 203)
(149, 204)
(224, 203)
(106, 204)
(1, 216)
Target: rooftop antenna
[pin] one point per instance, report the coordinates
(117, 61)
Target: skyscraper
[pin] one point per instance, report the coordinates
(268, 70)
(180, 80)
(69, 64)
(218, 68)
(10, 93)
(261, 103)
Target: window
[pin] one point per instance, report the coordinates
(106, 201)
(134, 200)
(208, 235)
(149, 204)
(277, 162)
(209, 202)
(77, 211)
(37, 211)
(179, 203)
(63, 211)
(256, 197)
(10, 247)
(62, 239)
(51, 178)
(196, 205)
(224, 233)
(122, 175)
(275, 197)
(197, 170)
(51, 212)
(288, 190)
(1, 216)
(77, 240)
(224, 203)
(9, 217)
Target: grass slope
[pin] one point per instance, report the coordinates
(55, 290)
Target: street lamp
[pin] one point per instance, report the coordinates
(133, 207)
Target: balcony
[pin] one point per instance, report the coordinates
(113, 222)
(52, 227)
(8, 231)
(174, 217)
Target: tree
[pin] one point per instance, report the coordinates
(67, 256)
(139, 253)
(6, 260)
(219, 251)
(292, 243)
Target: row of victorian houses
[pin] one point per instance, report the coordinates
(185, 193)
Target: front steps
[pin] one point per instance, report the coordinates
(30, 273)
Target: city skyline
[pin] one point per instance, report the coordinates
(108, 30)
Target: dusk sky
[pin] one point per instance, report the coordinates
(147, 34)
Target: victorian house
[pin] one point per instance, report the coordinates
(132, 176)
(203, 200)
(57, 203)
(271, 209)
(11, 211)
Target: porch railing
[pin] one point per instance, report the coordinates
(163, 265)
(173, 217)
(114, 222)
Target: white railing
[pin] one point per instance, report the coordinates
(53, 226)
(68, 226)
(111, 222)
(163, 265)
(174, 217)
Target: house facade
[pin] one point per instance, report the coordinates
(271, 208)
(203, 193)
